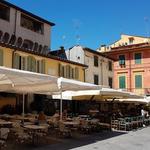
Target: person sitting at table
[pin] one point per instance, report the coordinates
(41, 117)
(64, 114)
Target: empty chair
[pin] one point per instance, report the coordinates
(3, 137)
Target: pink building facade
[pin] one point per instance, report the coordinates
(132, 68)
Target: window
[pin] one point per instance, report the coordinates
(122, 82)
(96, 79)
(19, 62)
(32, 24)
(27, 44)
(110, 65)
(121, 60)
(137, 57)
(95, 61)
(4, 12)
(131, 40)
(110, 81)
(138, 81)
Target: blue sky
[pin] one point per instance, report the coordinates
(90, 23)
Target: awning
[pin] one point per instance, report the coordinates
(101, 94)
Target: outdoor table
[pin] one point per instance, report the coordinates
(70, 123)
(94, 121)
(5, 124)
(34, 130)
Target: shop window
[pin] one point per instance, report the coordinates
(4, 12)
(137, 57)
(32, 24)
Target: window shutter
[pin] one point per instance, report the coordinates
(122, 82)
(67, 71)
(138, 58)
(16, 61)
(76, 73)
(29, 63)
(60, 70)
(138, 81)
(33, 64)
(23, 63)
(43, 66)
(1, 57)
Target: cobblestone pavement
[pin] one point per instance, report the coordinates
(106, 140)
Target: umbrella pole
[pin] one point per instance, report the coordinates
(23, 107)
(61, 104)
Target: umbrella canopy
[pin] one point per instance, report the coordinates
(134, 100)
(101, 94)
(13, 80)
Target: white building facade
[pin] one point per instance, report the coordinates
(100, 68)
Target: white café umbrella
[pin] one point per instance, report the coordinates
(100, 94)
(18, 81)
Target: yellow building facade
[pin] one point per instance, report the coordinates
(31, 61)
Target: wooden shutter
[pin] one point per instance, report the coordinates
(43, 66)
(60, 70)
(33, 64)
(122, 82)
(138, 81)
(67, 71)
(1, 57)
(76, 73)
(23, 63)
(16, 61)
(29, 63)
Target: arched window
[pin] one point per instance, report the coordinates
(40, 49)
(27, 44)
(6, 37)
(12, 40)
(19, 42)
(36, 46)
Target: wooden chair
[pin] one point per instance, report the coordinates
(3, 137)
(64, 131)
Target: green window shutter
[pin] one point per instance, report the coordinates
(76, 73)
(122, 82)
(33, 64)
(137, 58)
(23, 63)
(1, 57)
(43, 66)
(16, 61)
(29, 63)
(138, 81)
